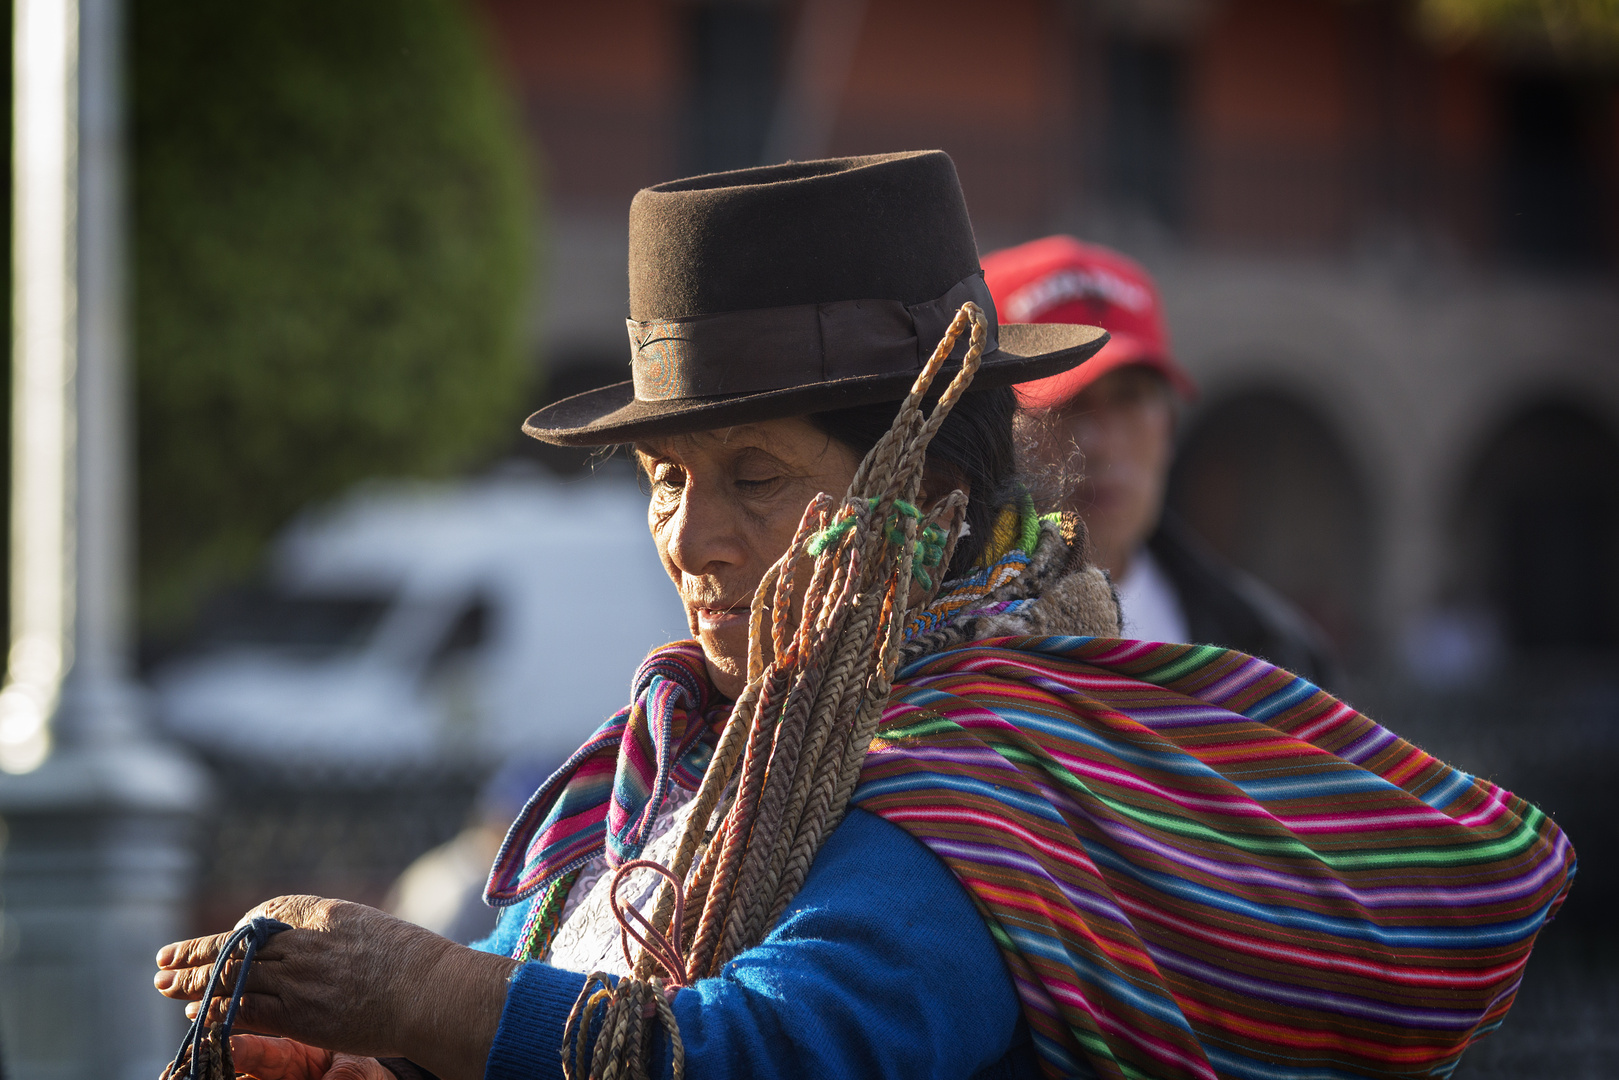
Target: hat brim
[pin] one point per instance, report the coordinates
(1122, 351)
(612, 414)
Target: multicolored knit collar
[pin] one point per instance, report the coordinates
(605, 797)
(1017, 535)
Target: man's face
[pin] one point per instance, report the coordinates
(1117, 436)
(725, 505)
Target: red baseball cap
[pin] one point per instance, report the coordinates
(1060, 280)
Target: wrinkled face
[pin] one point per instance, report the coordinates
(724, 507)
(1118, 437)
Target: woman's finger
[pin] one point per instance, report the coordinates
(197, 951)
(188, 984)
(353, 1067)
(267, 1058)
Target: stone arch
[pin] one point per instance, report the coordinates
(1534, 532)
(1265, 479)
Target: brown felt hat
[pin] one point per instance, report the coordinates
(799, 288)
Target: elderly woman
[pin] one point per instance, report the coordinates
(1010, 843)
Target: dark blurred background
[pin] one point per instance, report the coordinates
(370, 237)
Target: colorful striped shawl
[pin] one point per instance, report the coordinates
(1195, 864)
(1198, 865)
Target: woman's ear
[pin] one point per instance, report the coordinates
(937, 484)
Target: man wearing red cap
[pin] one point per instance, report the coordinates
(1105, 430)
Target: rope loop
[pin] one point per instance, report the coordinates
(664, 949)
(251, 937)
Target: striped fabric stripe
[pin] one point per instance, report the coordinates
(605, 796)
(1196, 864)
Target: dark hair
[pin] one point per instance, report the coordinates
(973, 450)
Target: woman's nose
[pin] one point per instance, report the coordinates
(701, 536)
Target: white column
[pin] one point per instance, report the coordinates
(44, 355)
(96, 869)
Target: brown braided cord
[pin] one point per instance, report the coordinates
(214, 1059)
(788, 760)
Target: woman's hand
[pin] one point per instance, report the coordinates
(264, 1058)
(352, 979)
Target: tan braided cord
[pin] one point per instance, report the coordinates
(788, 760)
(214, 1059)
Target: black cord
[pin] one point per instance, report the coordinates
(252, 937)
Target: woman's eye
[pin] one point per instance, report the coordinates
(668, 478)
(757, 485)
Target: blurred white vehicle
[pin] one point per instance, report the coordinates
(413, 623)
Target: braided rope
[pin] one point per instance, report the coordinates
(788, 760)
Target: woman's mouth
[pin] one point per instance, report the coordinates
(717, 618)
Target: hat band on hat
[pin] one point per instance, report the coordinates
(748, 352)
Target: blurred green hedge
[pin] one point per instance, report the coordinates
(332, 234)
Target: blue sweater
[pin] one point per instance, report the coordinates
(881, 967)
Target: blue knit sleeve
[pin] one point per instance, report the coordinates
(880, 968)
